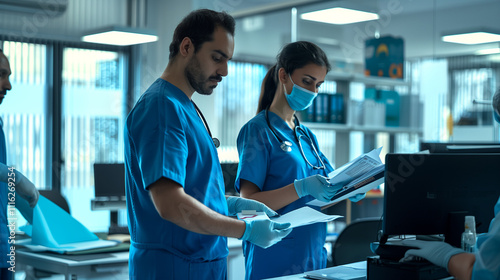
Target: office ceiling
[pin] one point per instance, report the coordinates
(421, 23)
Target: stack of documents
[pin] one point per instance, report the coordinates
(358, 176)
(297, 218)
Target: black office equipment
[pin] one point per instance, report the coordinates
(109, 182)
(379, 269)
(430, 194)
(460, 147)
(424, 191)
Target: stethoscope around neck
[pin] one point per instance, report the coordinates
(214, 139)
(286, 145)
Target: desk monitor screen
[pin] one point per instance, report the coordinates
(109, 180)
(460, 147)
(427, 194)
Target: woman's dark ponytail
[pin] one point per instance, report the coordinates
(268, 89)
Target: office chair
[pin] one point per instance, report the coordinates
(57, 198)
(353, 243)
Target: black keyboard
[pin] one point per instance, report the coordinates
(118, 230)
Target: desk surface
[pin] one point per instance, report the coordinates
(341, 271)
(71, 266)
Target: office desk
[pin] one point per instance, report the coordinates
(78, 266)
(338, 272)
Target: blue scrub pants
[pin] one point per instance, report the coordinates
(160, 264)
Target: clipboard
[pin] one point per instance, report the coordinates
(355, 185)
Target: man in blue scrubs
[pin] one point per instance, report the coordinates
(18, 182)
(177, 210)
(484, 264)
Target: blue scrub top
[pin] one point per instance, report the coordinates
(487, 264)
(165, 137)
(265, 164)
(4, 230)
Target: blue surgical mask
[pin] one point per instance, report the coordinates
(300, 98)
(496, 116)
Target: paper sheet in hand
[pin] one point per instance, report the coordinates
(55, 230)
(299, 217)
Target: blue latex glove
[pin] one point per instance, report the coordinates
(265, 233)
(437, 252)
(317, 186)
(357, 197)
(236, 204)
(15, 180)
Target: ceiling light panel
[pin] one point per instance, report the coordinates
(339, 16)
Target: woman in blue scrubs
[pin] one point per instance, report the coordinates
(281, 164)
(484, 264)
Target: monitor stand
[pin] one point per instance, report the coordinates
(114, 228)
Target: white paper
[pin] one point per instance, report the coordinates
(357, 171)
(356, 167)
(299, 217)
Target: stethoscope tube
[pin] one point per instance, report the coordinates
(214, 139)
(286, 145)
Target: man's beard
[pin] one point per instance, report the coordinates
(3, 93)
(197, 80)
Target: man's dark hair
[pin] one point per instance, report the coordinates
(1, 51)
(199, 26)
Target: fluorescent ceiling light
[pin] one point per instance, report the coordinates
(120, 36)
(472, 38)
(339, 16)
(488, 51)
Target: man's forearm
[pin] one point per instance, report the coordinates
(174, 205)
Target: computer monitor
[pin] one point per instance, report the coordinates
(460, 147)
(109, 180)
(430, 194)
(109, 186)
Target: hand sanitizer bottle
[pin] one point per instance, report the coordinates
(469, 235)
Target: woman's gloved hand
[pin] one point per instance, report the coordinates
(437, 252)
(265, 233)
(236, 204)
(16, 180)
(27, 190)
(317, 186)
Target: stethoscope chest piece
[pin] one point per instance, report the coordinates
(286, 146)
(216, 142)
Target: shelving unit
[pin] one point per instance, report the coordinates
(343, 131)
